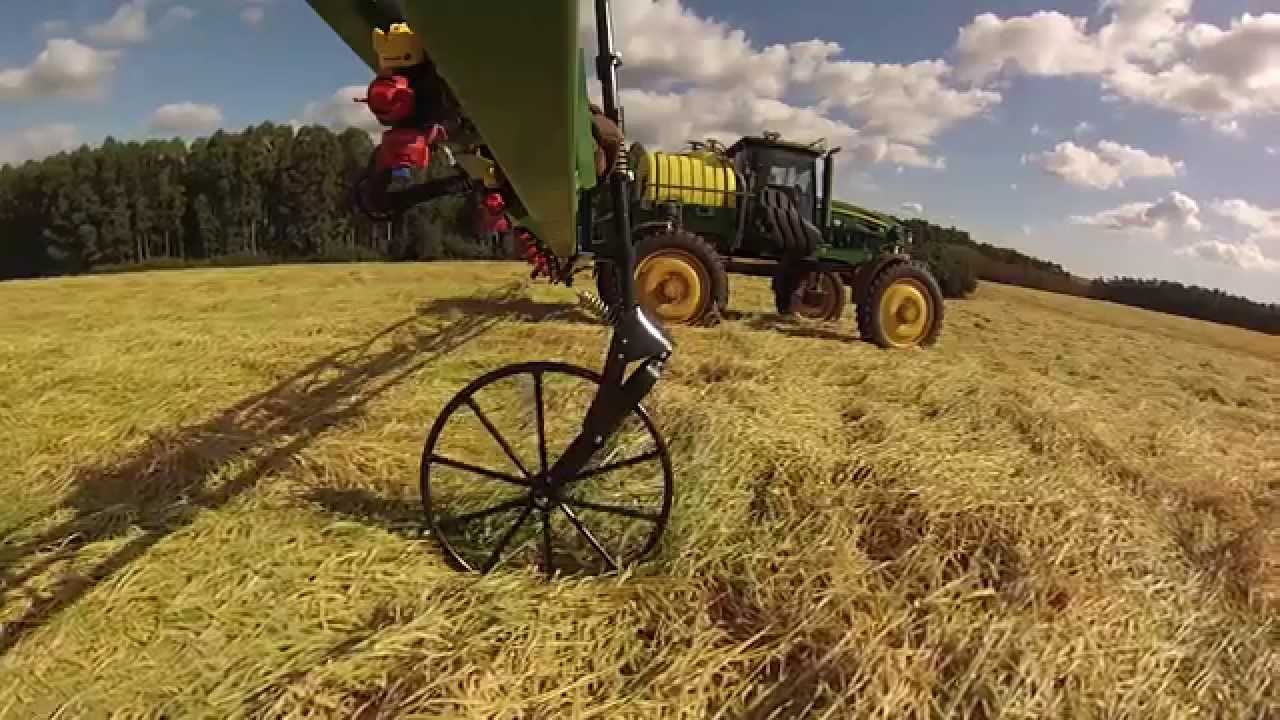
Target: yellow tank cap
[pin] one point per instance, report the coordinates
(399, 48)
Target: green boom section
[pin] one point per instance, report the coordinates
(517, 69)
(871, 221)
(354, 21)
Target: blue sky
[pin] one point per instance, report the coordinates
(1171, 175)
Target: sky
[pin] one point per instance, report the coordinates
(1116, 137)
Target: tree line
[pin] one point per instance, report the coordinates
(269, 193)
(959, 262)
(276, 193)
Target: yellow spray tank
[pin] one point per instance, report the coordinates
(695, 177)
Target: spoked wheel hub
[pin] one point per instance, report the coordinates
(493, 494)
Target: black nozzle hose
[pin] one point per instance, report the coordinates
(377, 202)
(607, 62)
(391, 10)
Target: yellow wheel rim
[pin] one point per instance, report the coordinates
(824, 292)
(673, 285)
(905, 314)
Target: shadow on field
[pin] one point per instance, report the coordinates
(162, 486)
(392, 514)
(796, 327)
(517, 309)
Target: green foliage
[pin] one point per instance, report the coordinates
(952, 266)
(957, 260)
(273, 194)
(1190, 301)
(267, 194)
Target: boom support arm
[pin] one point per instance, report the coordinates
(635, 336)
(517, 72)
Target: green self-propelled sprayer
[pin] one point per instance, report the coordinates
(500, 87)
(765, 206)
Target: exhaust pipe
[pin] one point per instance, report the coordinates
(828, 179)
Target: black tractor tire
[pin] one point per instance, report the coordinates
(796, 235)
(916, 276)
(786, 289)
(710, 268)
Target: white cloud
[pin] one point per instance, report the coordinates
(1013, 187)
(1263, 224)
(1036, 130)
(127, 26)
(1084, 127)
(186, 119)
(905, 103)
(55, 27)
(1147, 51)
(1111, 165)
(913, 208)
(64, 68)
(1043, 43)
(1230, 128)
(176, 15)
(1143, 30)
(253, 12)
(1272, 150)
(690, 77)
(668, 120)
(253, 16)
(1026, 230)
(38, 142)
(1227, 128)
(1247, 253)
(1246, 256)
(130, 24)
(1175, 211)
(668, 46)
(340, 111)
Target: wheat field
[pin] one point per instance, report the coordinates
(209, 509)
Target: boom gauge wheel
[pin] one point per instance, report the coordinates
(489, 494)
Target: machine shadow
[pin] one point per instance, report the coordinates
(162, 487)
(401, 516)
(793, 327)
(511, 309)
(405, 518)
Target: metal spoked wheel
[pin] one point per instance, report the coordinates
(486, 486)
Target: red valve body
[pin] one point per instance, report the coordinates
(404, 148)
(391, 99)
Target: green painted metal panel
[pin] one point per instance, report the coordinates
(353, 21)
(872, 219)
(514, 66)
(517, 68)
(586, 144)
(851, 255)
